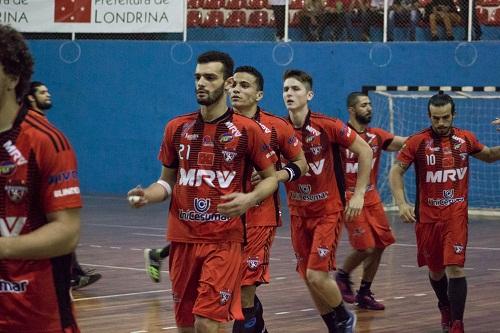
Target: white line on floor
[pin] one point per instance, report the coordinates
(118, 267)
(122, 295)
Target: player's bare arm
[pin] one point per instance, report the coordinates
(397, 143)
(406, 212)
(488, 154)
(237, 203)
(365, 155)
(58, 237)
(156, 192)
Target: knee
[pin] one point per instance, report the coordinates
(454, 272)
(436, 276)
(368, 252)
(314, 278)
(203, 324)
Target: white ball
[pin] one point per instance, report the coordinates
(133, 199)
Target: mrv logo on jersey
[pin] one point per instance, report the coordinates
(194, 177)
(442, 176)
(200, 212)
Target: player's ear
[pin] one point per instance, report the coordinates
(310, 95)
(229, 83)
(260, 95)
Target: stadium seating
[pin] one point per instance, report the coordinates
(214, 18)
(257, 4)
(296, 4)
(258, 18)
(235, 4)
(194, 18)
(495, 18)
(195, 4)
(237, 18)
(213, 4)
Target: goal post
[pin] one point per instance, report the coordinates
(405, 112)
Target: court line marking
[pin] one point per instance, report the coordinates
(121, 295)
(119, 267)
(149, 235)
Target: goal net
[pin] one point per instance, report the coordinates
(405, 112)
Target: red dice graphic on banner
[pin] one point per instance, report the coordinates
(72, 11)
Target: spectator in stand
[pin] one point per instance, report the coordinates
(317, 16)
(403, 11)
(463, 5)
(279, 8)
(443, 11)
(355, 12)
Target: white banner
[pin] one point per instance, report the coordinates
(119, 16)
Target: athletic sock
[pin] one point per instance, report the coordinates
(457, 292)
(165, 252)
(329, 320)
(260, 325)
(343, 274)
(249, 324)
(364, 288)
(441, 289)
(341, 312)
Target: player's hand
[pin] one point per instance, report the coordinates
(354, 207)
(407, 213)
(497, 123)
(136, 197)
(256, 178)
(236, 204)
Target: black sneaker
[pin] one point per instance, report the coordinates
(85, 280)
(153, 264)
(348, 325)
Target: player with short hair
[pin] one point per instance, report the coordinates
(441, 154)
(208, 196)
(369, 233)
(246, 91)
(316, 200)
(40, 215)
(38, 97)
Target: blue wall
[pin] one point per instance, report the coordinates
(112, 99)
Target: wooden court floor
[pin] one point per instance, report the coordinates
(126, 301)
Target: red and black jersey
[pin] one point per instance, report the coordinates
(442, 172)
(281, 137)
(378, 140)
(38, 175)
(320, 192)
(212, 159)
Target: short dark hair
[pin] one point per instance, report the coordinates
(352, 98)
(217, 56)
(15, 58)
(440, 99)
(254, 72)
(300, 75)
(31, 91)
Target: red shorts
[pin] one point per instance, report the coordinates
(205, 281)
(255, 264)
(315, 241)
(441, 244)
(370, 229)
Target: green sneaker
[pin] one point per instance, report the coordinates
(153, 264)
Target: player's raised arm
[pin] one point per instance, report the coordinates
(397, 187)
(488, 154)
(365, 155)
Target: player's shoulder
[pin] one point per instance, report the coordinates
(463, 133)
(320, 119)
(43, 133)
(422, 135)
(378, 131)
(180, 119)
